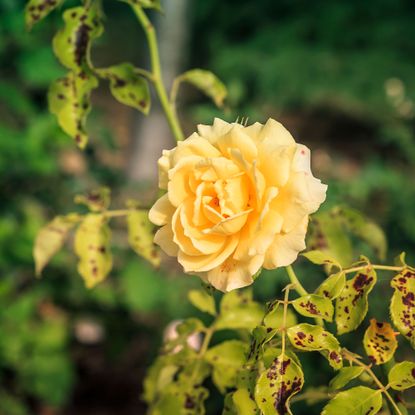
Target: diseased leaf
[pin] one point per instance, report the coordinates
(36, 10)
(357, 401)
(310, 338)
(321, 258)
(203, 301)
(69, 101)
(97, 200)
(92, 246)
(402, 307)
(332, 286)
(344, 376)
(72, 44)
(312, 305)
(240, 403)
(226, 359)
(207, 82)
(140, 236)
(352, 304)
(51, 238)
(380, 342)
(127, 86)
(402, 376)
(277, 385)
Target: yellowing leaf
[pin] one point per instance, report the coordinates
(402, 307)
(243, 403)
(332, 286)
(321, 258)
(380, 342)
(277, 385)
(96, 200)
(69, 101)
(36, 10)
(357, 401)
(203, 301)
(50, 239)
(72, 43)
(312, 305)
(402, 376)
(344, 376)
(140, 236)
(92, 246)
(352, 304)
(309, 338)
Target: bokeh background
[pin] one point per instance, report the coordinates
(339, 74)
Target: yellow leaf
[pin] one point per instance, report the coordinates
(92, 243)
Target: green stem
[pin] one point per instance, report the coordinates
(156, 72)
(380, 267)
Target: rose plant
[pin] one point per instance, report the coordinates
(235, 199)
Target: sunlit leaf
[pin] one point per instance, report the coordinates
(310, 338)
(274, 316)
(240, 403)
(207, 82)
(97, 200)
(402, 307)
(127, 86)
(357, 401)
(92, 246)
(332, 286)
(51, 238)
(321, 258)
(380, 342)
(140, 236)
(352, 304)
(72, 44)
(344, 376)
(69, 101)
(400, 260)
(402, 376)
(36, 10)
(203, 301)
(312, 305)
(277, 385)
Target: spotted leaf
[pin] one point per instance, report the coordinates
(278, 384)
(332, 286)
(312, 305)
(127, 86)
(402, 307)
(402, 376)
(344, 376)
(310, 338)
(97, 200)
(72, 44)
(92, 246)
(69, 101)
(321, 258)
(380, 342)
(36, 10)
(352, 304)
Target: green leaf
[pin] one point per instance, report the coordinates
(380, 342)
(72, 44)
(92, 246)
(277, 385)
(127, 86)
(147, 4)
(402, 376)
(402, 307)
(357, 401)
(240, 403)
(51, 238)
(332, 286)
(226, 358)
(207, 82)
(352, 304)
(274, 317)
(246, 316)
(203, 301)
(310, 338)
(36, 10)
(344, 376)
(321, 258)
(140, 236)
(312, 305)
(97, 200)
(400, 260)
(69, 101)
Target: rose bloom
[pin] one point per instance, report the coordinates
(238, 199)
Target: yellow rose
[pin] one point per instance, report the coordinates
(238, 199)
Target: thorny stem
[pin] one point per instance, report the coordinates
(349, 356)
(156, 72)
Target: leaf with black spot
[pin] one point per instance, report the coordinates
(332, 286)
(69, 100)
(402, 376)
(352, 304)
(72, 44)
(127, 86)
(36, 10)
(97, 200)
(313, 305)
(402, 307)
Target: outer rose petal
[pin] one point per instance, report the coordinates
(162, 211)
(164, 238)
